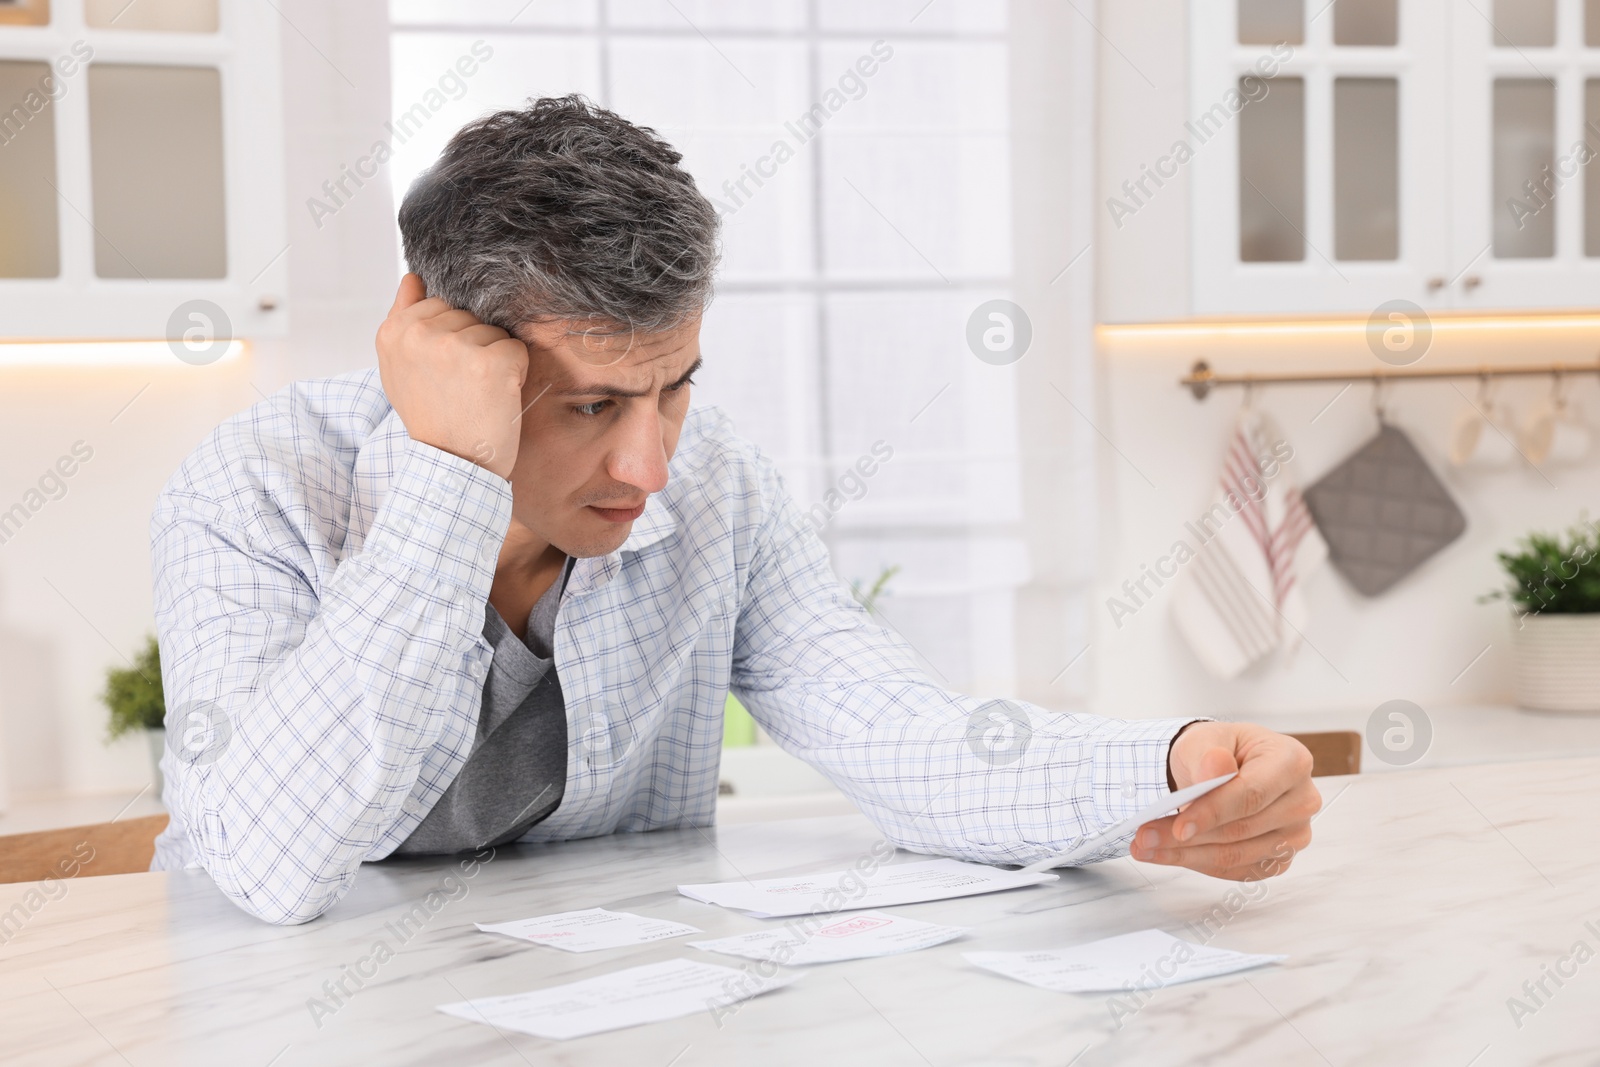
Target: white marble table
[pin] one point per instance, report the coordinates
(1427, 901)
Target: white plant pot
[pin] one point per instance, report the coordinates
(1558, 661)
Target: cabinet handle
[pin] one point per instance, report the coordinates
(1436, 283)
(1471, 282)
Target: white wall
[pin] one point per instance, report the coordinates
(75, 581)
(1053, 82)
(343, 271)
(1416, 641)
(1143, 265)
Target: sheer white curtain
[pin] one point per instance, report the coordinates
(861, 154)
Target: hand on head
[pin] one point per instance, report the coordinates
(455, 382)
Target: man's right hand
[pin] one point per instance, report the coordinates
(455, 382)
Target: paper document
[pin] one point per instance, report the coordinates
(637, 995)
(1162, 807)
(853, 937)
(1148, 959)
(885, 887)
(591, 929)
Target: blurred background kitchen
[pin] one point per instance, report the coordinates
(973, 248)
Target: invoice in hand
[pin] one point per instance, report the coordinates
(1165, 806)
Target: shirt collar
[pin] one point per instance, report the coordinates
(656, 524)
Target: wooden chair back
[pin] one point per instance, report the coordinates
(1333, 752)
(123, 847)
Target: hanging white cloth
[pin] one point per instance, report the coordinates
(1242, 595)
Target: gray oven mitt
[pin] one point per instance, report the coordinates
(1383, 512)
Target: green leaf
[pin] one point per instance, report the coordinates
(1554, 575)
(134, 694)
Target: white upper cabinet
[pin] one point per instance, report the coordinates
(1351, 153)
(141, 170)
(1526, 126)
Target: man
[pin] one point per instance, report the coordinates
(498, 589)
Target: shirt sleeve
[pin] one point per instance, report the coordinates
(937, 772)
(300, 718)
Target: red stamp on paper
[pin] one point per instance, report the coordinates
(858, 925)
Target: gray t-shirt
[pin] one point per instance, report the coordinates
(517, 770)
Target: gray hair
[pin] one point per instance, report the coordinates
(562, 210)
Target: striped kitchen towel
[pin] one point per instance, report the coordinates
(1241, 595)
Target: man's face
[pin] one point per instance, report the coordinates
(601, 418)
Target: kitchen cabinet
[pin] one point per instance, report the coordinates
(1351, 153)
(141, 171)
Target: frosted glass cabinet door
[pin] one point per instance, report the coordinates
(1272, 175)
(1525, 196)
(166, 16)
(25, 13)
(1523, 149)
(29, 241)
(1524, 23)
(1436, 151)
(155, 152)
(1271, 21)
(1591, 173)
(1318, 154)
(142, 177)
(1366, 169)
(1375, 23)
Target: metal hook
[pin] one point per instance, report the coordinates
(1486, 392)
(1249, 396)
(1379, 385)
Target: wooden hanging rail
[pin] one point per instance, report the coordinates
(1201, 379)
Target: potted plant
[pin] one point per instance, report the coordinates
(1555, 589)
(134, 697)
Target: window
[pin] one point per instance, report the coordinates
(859, 154)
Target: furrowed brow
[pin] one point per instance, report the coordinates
(690, 373)
(617, 392)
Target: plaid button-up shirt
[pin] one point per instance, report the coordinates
(320, 587)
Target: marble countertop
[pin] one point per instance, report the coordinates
(1427, 901)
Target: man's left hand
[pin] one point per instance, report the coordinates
(1247, 829)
